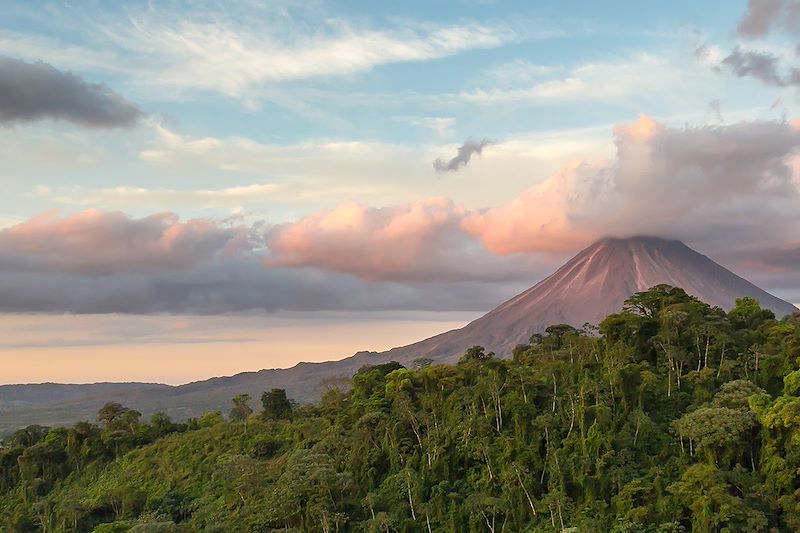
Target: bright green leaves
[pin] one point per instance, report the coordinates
(400, 380)
(715, 431)
(715, 503)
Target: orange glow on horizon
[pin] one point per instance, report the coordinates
(181, 349)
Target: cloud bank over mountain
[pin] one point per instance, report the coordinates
(726, 189)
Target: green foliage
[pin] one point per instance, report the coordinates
(241, 409)
(275, 404)
(677, 417)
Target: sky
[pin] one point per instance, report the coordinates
(200, 188)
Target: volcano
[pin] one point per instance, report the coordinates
(589, 287)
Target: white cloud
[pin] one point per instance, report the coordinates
(443, 126)
(519, 71)
(234, 61)
(127, 196)
(615, 81)
(321, 174)
(240, 55)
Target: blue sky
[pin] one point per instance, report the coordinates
(497, 70)
(243, 157)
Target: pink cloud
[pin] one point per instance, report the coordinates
(727, 190)
(101, 242)
(419, 241)
(691, 183)
(713, 185)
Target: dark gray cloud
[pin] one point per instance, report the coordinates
(37, 91)
(762, 16)
(462, 158)
(238, 285)
(762, 66)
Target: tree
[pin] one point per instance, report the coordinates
(748, 313)
(651, 302)
(275, 405)
(719, 432)
(579, 432)
(422, 362)
(476, 354)
(161, 424)
(241, 410)
(714, 503)
(117, 416)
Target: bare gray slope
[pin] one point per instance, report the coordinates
(587, 288)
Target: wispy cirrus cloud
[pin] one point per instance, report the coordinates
(239, 55)
(325, 172)
(233, 61)
(122, 195)
(443, 126)
(621, 80)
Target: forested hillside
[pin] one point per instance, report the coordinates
(671, 416)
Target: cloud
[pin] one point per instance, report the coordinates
(619, 81)
(762, 16)
(127, 196)
(732, 191)
(38, 91)
(107, 262)
(715, 109)
(762, 66)
(715, 185)
(99, 243)
(247, 156)
(232, 61)
(462, 158)
(519, 71)
(237, 286)
(443, 126)
(762, 19)
(239, 53)
(417, 242)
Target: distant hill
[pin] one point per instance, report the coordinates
(587, 288)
